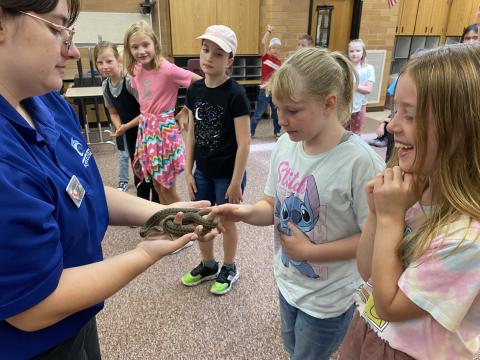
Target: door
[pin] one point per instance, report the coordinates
(338, 25)
(406, 17)
(439, 18)
(189, 19)
(422, 25)
(459, 16)
(243, 17)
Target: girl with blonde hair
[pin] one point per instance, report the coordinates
(420, 253)
(314, 196)
(160, 155)
(357, 54)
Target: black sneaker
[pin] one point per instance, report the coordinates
(200, 274)
(225, 280)
(122, 186)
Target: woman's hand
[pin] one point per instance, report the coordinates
(156, 247)
(394, 194)
(191, 204)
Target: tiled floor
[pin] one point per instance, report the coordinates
(156, 317)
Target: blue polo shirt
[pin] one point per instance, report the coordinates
(42, 230)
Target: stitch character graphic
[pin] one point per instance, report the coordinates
(303, 214)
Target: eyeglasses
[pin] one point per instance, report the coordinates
(70, 32)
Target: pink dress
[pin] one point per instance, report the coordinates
(160, 152)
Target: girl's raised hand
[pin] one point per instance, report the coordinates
(394, 193)
(392, 3)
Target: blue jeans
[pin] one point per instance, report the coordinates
(262, 103)
(308, 338)
(123, 161)
(213, 189)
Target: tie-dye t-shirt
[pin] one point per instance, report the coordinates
(445, 282)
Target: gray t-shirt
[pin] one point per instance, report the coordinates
(324, 196)
(117, 89)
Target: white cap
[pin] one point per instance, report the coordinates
(275, 41)
(223, 36)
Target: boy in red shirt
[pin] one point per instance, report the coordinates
(270, 63)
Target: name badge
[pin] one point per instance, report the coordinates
(76, 191)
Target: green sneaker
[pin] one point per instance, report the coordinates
(200, 274)
(225, 280)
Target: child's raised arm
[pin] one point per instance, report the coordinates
(265, 39)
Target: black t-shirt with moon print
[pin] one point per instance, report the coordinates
(214, 110)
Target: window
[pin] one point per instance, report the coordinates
(324, 20)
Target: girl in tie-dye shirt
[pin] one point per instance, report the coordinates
(419, 252)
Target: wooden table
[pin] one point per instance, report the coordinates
(79, 95)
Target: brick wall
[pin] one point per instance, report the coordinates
(289, 19)
(377, 30)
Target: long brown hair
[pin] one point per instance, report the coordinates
(448, 99)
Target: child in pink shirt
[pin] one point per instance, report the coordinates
(160, 153)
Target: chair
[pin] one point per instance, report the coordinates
(193, 65)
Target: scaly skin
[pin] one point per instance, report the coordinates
(162, 222)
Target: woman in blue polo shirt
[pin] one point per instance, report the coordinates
(54, 210)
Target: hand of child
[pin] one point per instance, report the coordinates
(119, 132)
(182, 119)
(391, 3)
(394, 194)
(234, 194)
(381, 129)
(297, 246)
(191, 186)
(158, 246)
(269, 28)
(229, 212)
(369, 192)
